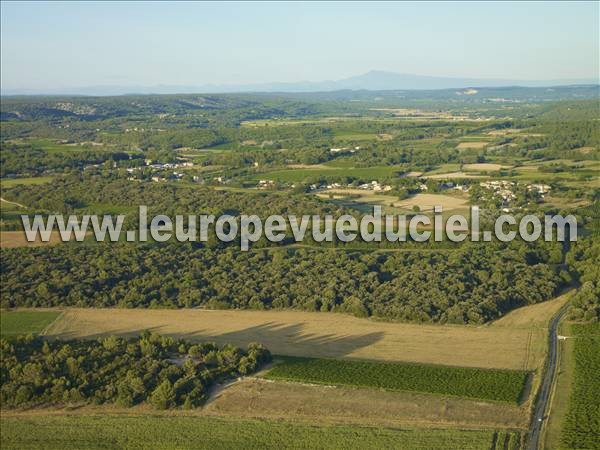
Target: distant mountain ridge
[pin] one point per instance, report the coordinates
(375, 80)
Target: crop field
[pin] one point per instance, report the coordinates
(10, 239)
(483, 167)
(533, 316)
(364, 201)
(562, 389)
(53, 145)
(268, 399)
(426, 202)
(471, 145)
(392, 204)
(485, 384)
(352, 135)
(13, 323)
(325, 335)
(505, 440)
(582, 425)
(10, 182)
(21, 431)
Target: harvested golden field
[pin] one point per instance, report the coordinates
(586, 150)
(503, 132)
(259, 398)
(484, 167)
(534, 316)
(328, 335)
(472, 144)
(10, 239)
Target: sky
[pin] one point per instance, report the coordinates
(58, 45)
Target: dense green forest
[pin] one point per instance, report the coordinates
(584, 258)
(472, 284)
(91, 193)
(158, 370)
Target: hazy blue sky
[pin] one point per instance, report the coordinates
(54, 45)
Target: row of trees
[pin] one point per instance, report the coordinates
(584, 258)
(164, 372)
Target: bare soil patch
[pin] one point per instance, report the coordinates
(259, 398)
(12, 239)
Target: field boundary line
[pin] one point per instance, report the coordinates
(47, 327)
(527, 350)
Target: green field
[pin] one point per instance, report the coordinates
(185, 432)
(51, 145)
(485, 384)
(10, 182)
(14, 323)
(582, 425)
(353, 135)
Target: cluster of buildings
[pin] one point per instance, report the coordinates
(540, 189)
(502, 189)
(375, 186)
(175, 175)
(506, 189)
(372, 186)
(344, 149)
(448, 185)
(265, 184)
(141, 130)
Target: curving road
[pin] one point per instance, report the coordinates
(543, 398)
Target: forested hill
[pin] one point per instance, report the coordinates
(269, 105)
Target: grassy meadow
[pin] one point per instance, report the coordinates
(10, 182)
(14, 323)
(180, 432)
(258, 397)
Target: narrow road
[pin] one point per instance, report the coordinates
(541, 403)
(12, 203)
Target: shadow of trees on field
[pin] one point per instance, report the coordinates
(292, 339)
(279, 338)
